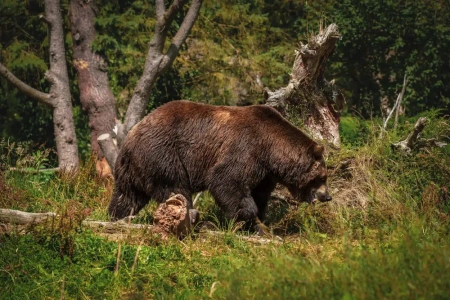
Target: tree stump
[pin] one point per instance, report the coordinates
(309, 95)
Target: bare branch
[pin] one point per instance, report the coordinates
(408, 144)
(182, 32)
(175, 7)
(156, 62)
(405, 83)
(25, 88)
(418, 128)
(118, 231)
(165, 19)
(24, 170)
(160, 9)
(396, 104)
(18, 217)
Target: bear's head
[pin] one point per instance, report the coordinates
(312, 183)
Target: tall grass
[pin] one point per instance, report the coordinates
(385, 236)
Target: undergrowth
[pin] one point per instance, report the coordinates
(384, 235)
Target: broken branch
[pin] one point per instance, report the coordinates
(109, 148)
(396, 106)
(117, 231)
(408, 144)
(25, 88)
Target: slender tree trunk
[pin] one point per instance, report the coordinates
(308, 94)
(156, 63)
(66, 141)
(59, 97)
(96, 96)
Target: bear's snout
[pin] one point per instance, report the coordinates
(322, 194)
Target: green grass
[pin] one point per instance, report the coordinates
(385, 236)
(401, 263)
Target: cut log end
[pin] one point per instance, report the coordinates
(173, 217)
(104, 137)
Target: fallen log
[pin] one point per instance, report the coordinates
(17, 217)
(171, 218)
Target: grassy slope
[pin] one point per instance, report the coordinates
(392, 241)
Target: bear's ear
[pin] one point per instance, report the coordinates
(318, 151)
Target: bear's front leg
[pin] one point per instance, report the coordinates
(240, 206)
(236, 203)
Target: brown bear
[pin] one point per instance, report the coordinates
(237, 153)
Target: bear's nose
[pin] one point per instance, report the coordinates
(328, 198)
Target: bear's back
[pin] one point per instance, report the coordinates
(193, 121)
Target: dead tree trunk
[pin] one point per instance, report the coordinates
(308, 94)
(59, 97)
(96, 97)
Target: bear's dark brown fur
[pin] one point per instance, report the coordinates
(237, 153)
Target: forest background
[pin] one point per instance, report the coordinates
(235, 48)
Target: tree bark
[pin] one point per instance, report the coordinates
(156, 63)
(308, 94)
(96, 97)
(59, 97)
(66, 140)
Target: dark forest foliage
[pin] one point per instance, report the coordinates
(232, 45)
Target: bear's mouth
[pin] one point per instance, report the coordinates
(313, 197)
(304, 195)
